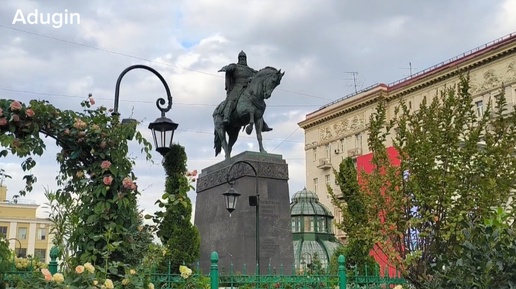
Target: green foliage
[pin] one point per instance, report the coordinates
(354, 217)
(97, 192)
(486, 258)
(5, 258)
(175, 229)
(461, 165)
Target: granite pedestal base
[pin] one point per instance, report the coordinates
(234, 238)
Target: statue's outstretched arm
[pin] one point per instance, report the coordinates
(228, 68)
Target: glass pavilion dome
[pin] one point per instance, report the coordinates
(311, 230)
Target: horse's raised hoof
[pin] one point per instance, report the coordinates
(249, 129)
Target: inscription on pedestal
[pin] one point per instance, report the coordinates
(269, 247)
(269, 210)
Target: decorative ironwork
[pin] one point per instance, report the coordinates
(159, 102)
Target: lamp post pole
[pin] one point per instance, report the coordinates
(162, 128)
(19, 243)
(253, 201)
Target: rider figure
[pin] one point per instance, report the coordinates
(238, 76)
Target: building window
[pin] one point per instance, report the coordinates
(42, 233)
(3, 231)
(40, 254)
(328, 150)
(21, 252)
(342, 145)
(314, 152)
(296, 224)
(316, 183)
(358, 140)
(480, 108)
(327, 179)
(309, 224)
(22, 233)
(322, 225)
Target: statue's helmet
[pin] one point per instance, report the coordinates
(242, 58)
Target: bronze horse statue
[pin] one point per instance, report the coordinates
(248, 111)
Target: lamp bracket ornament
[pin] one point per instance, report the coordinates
(159, 102)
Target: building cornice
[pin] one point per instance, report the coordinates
(345, 106)
(26, 220)
(463, 65)
(443, 71)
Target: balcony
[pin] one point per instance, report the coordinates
(354, 152)
(324, 163)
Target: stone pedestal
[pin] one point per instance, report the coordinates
(234, 238)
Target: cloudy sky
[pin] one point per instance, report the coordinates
(328, 48)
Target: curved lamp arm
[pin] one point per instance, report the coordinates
(159, 102)
(257, 194)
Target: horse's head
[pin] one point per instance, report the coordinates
(272, 80)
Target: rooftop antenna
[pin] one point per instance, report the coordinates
(354, 75)
(409, 68)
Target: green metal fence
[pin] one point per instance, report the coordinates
(274, 279)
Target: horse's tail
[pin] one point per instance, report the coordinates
(217, 119)
(217, 143)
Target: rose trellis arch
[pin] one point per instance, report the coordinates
(95, 175)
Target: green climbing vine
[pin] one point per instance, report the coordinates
(95, 175)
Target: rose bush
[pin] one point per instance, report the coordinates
(86, 277)
(93, 173)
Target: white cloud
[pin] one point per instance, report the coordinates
(189, 41)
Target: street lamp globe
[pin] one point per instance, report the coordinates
(231, 198)
(163, 132)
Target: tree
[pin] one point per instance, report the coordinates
(454, 165)
(354, 218)
(175, 230)
(486, 258)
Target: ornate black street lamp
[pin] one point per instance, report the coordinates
(162, 128)
(231, 197)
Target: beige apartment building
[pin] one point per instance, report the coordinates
(340, 129)
(27, 234)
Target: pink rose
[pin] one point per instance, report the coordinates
(47, 274)
(29, 112)
(127, 183)
(79, 269)
(105, 165)
(108, 180)
(15, 118)
(92, 101)
(79, 124)
(15, 105)
(3, 121)
(66, 131)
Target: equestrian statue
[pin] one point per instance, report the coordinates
(246, 91)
